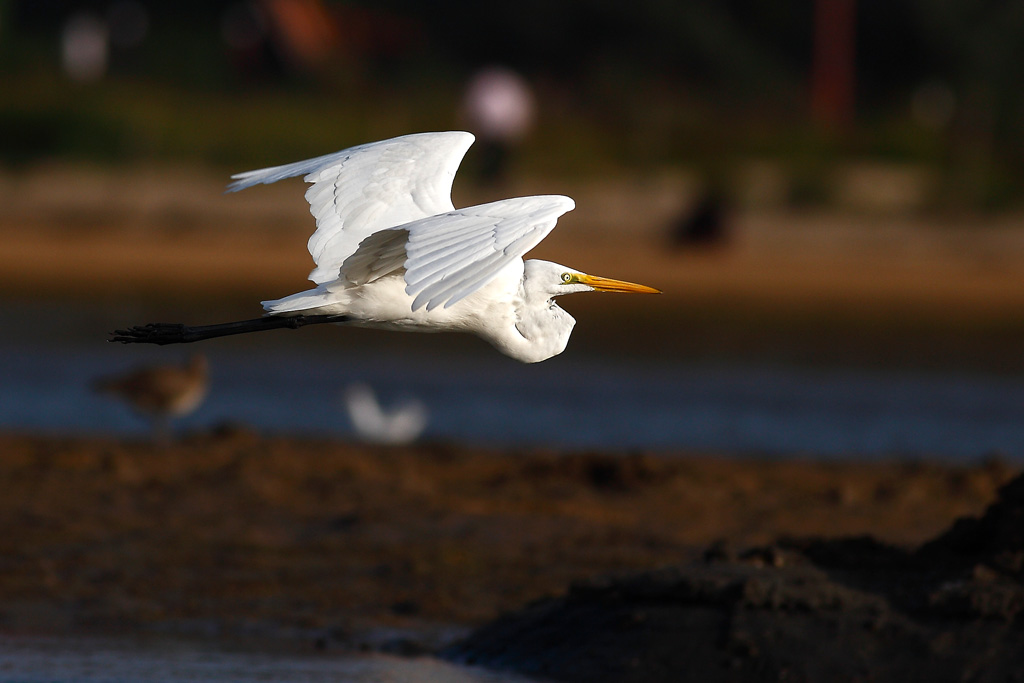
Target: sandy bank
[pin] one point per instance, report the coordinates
(234, 529)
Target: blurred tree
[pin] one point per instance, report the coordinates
(978, 49)
(833, 74)
(654, 81)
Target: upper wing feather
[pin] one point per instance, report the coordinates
(454, 254)
(361, 190)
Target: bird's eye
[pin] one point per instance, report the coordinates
(566, 278)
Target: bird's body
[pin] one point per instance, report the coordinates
(392, 252)
(502, 312)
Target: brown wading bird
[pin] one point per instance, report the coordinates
(160, 392)
(392, 252)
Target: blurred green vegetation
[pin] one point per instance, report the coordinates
(131, 120)
(702, 83)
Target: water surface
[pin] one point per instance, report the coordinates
(574, 401)
(99, 660)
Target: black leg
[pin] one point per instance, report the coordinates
(176, 333)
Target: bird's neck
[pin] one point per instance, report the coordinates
(540, 332)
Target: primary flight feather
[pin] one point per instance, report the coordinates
(391, 251)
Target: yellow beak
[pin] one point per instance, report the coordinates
(604, 284)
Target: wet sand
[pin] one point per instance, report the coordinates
(239, 533)
(810, 609)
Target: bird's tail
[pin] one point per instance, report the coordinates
(303, 301)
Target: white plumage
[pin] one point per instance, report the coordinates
(363, 189)
(404, 185)
(391, 251)
(401, 424)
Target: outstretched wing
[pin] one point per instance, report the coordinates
(361, 190)
(451, 255)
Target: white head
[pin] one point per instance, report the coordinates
(547, 279)
(542, 328)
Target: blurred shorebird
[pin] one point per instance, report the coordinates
(160, 392)
(401, 424)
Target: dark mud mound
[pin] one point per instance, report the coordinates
(996, 539)
(800, 610)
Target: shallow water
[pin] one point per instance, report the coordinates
(575, 401)
(96, 660)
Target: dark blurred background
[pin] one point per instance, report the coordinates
(818, 185)
(934, 83)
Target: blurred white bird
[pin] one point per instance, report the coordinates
(401, 424)
(392, 252)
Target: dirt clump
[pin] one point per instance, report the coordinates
(848, 609)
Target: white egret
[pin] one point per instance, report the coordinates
(392, 252)
(372, 422)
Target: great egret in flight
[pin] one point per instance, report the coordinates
(392, 252)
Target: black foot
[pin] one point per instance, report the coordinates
(176, 333)
(153, 333)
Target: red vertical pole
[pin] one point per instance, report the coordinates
(832, 70)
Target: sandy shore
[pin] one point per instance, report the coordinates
(172, 230)
(247, 532)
